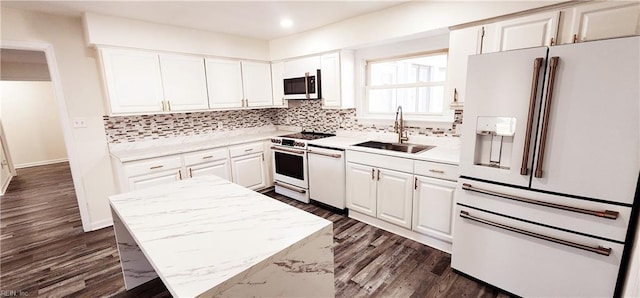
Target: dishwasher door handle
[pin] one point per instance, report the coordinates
(334, 155)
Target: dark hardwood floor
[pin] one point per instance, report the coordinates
(44, 251)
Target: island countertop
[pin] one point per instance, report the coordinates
(203, 235)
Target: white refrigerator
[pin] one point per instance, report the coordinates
(550, 157)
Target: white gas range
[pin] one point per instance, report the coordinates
(290, 165)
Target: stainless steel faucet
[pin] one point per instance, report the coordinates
(399, 126)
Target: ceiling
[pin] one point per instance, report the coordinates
(256, 19)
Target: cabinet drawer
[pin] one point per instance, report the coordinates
(244, 149)
(436, 170)
(381, 161)
(205, 156)
(153, 165)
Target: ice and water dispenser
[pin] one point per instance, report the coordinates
(494, 141)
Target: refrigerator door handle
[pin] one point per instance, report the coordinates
(545, 120)
(605, 214)
(537, 65)
(606, 251)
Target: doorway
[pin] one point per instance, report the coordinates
(33, 72)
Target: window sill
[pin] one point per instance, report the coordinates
(433, 121)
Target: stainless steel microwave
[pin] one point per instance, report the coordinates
(306, 87)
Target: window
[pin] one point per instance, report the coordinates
(414, 82)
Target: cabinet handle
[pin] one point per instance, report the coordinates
(575, 38)
(169, 105)
(248, 150)
(207, 157)
(545, 119)
(190, 173)
(537, 65)
(605, 214)
(455, 95)
(599, 250)
(155, 167)
(415, 183)
(163, 106)
(179, 174)
(551, 42)
(373, 174)
(378, 174)
(436, 171)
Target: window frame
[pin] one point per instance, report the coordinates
(366, 116)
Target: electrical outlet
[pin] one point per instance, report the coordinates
(220, 125)
(79, 122)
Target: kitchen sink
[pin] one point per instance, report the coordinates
(404, 147)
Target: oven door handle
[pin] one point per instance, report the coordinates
(287, 150)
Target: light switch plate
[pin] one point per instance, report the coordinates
(79, 122)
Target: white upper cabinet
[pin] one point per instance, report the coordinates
(184, 82)
(256, 82)
(224, 81)
(298, 67)
(519, 33)
(462, 43)
(601, 20)
(277, 84)
(133, 81)
(338, 80)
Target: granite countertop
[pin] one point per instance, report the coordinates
(205, 232)
(447, 149)
(161, 147)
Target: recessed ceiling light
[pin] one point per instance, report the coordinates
(286, 23)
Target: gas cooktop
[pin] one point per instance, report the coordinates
(307, 135)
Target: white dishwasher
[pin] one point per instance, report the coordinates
(326, 175)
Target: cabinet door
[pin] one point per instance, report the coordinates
(184, 82)
(133, 80)
(604, 20)
(146, 181)
(224, 83)
(462, 43)
(330, 71)
(277, 85)
(394, 194)
(256, 81)
(433, 207)
(361, 189)
(248, 171)
(526, 32)
(220, 168)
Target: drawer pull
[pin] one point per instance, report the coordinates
(207, 157)
(155, 167)
(605, 213)
(599, 250)
(436, 171)
(248, 150)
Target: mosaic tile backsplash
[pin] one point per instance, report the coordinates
(307, 114)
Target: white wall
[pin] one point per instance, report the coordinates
(82, 89)
(413, 18)
(123, 32)
(31, 123)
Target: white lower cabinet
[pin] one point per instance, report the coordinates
(248, 165)
(394, 192)
(208, 162)
(361, 188)
(153, 179)
(433, 201)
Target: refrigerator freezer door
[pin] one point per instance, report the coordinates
(592, 146)
(501, 86)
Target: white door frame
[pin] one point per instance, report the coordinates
(65, 120)
(7, 156)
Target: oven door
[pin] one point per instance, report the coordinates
(290, 166)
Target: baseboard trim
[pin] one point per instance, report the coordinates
(41, 163)
(4, 187)
(101, 224)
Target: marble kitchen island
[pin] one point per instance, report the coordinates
(209, 237)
